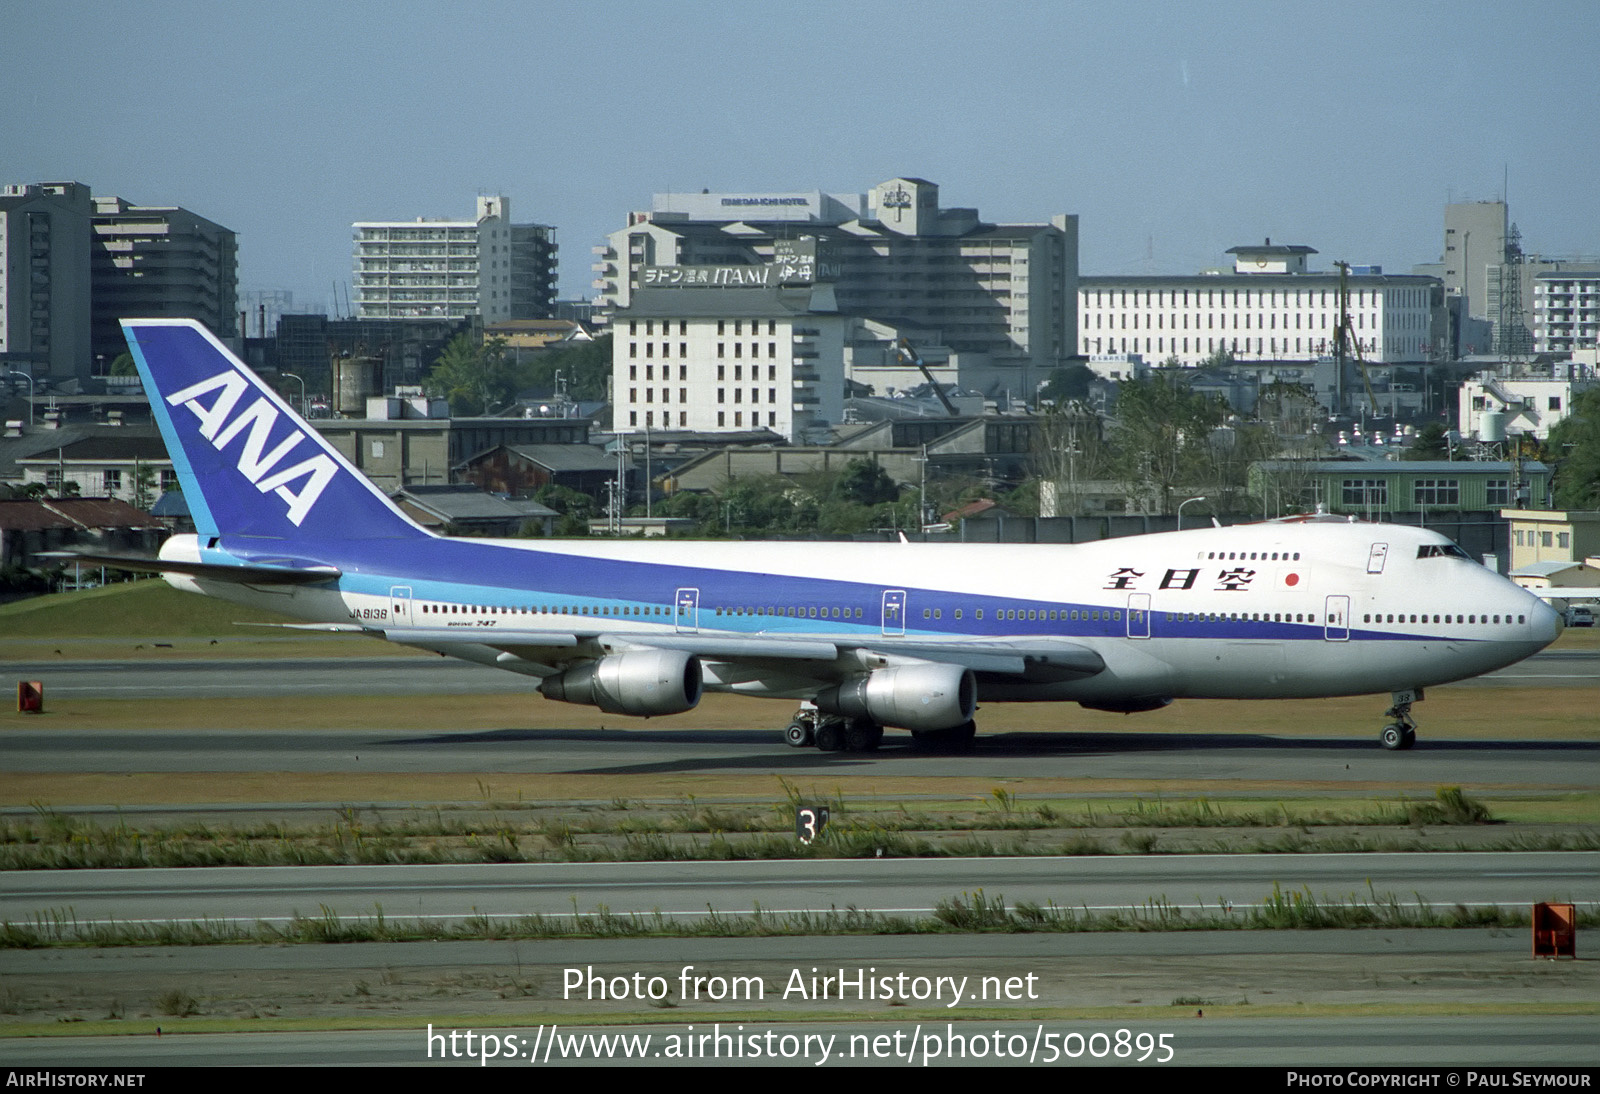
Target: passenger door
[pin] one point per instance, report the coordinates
(400, 603)
(686, 611)
(1336, 623)
(1138, 615)
(894, 611)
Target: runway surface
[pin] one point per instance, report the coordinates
(1064, 754)
(692, 889)
(1450, 1044)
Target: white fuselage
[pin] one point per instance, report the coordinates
(1273, 610)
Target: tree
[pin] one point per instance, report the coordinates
(576, 508)
(585, 369)
(144, 485)
(1430, 443)
(866, 483)
(1068, 382)
(476, 377)
(1068, 450)
(1162, 439)
(1574, 445)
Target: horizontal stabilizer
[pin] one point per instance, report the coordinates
(321, 628)
(253, 573)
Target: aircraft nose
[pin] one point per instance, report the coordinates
(1547, 623)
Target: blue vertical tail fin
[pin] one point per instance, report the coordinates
(248, 464)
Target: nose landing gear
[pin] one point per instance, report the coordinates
(1401, 733)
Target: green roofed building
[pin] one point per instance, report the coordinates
(1378, 489)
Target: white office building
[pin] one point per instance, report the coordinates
(451, 269)
(730, 357)
(1271, 307)
(992, 300)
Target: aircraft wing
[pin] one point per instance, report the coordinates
(1038, 658)
(822, 658)
(268, 572)
(551, 647)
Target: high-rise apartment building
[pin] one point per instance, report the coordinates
(1566, 310)
(159, 261)
(73, 265)
(44, 281)
(452, 269)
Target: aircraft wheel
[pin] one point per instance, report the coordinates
(863, 736)
(797, 735)
(962, 736)
(830, 737)
(1410, 738)
(1394, 737)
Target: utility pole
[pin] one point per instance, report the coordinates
(922, 490)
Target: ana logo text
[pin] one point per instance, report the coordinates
(219, 425)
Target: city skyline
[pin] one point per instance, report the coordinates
(1173, 132)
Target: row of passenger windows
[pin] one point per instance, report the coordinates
(1254, 556)
(790, 612)
(1402, 617)
(808, 612)
(539, 609)
(1006, 614)
(1246, 617)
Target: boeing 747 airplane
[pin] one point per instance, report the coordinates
(864, 636)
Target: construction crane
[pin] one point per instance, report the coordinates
(1344, 335)
(904, 351)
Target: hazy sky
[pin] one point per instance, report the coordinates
(1174, 130)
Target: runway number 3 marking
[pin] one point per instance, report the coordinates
(809, 821)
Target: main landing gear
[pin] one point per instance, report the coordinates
(1401, 733)
(836, 733)
(831, 732)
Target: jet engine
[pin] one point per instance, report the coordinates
(638, 682)
(926, 696)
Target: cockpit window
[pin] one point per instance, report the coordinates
(1442, 550)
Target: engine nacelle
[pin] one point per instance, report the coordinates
(908, 696)
(638, 682)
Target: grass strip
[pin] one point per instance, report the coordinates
(690, 829)
(972, 912)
